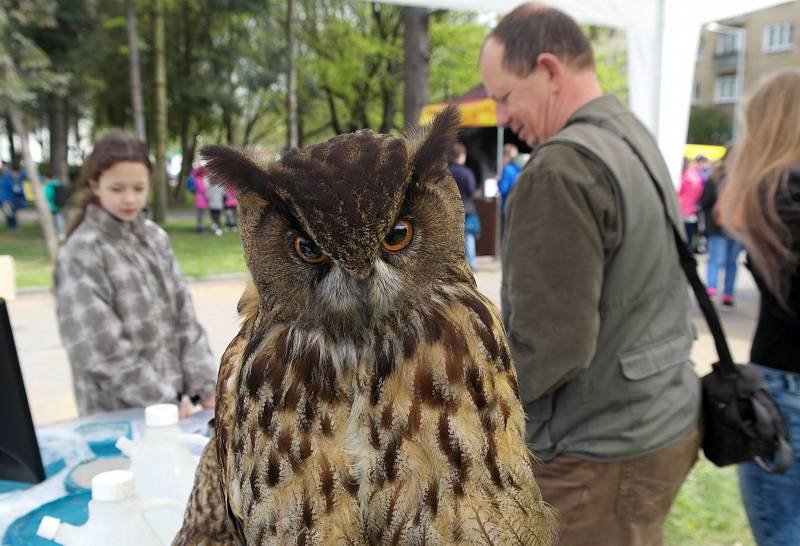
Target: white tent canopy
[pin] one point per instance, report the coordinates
(662, 37)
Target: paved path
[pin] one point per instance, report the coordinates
(48, 378)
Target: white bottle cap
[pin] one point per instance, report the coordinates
(48, 527)
(114, 485)
(161, 415)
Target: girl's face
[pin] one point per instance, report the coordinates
(122, 189)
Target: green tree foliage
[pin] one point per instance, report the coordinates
(233, 59)
(227, 65)
(709, 125)
(610, 59)
(351, 73)
(25, 66)
(351, 58)
(61, 41)
(456, 38)
(24, 74)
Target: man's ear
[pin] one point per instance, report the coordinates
(552, 65)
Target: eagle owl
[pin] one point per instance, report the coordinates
(369, 397)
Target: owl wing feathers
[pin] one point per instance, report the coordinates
(209, 511)
(205, 521)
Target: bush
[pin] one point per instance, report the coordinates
(710, 125)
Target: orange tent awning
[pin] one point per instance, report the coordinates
(477, 109)
(479, 113)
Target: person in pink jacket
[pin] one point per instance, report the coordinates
(198, 176)
(689, 193)
(230, 209)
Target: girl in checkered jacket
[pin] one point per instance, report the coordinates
(124, 311)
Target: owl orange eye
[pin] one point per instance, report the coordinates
(308, 251)
(399, 236)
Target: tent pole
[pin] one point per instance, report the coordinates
(499, 211)
(499, 152)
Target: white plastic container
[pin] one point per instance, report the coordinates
(162, 465)
(116, 516)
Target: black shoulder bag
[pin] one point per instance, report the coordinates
(741, 421)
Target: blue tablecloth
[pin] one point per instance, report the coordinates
(61, 441)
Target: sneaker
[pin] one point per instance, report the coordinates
(218, 232)
(711, 292)
(727, 299)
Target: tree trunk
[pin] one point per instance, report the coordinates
(160, 172)
(76, 134)
(188, 147)
(337, 127)
(59, 130)
(389, 108)
(45, 218)
(187, 155)
(227, 122)
(291, 91)
(12, 150)
(135, 73)
(417, 56)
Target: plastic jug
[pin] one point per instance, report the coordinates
(162, 465)
(116, 516)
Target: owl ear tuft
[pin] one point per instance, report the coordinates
(233, 168)
(431, 144)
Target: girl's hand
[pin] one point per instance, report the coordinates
(186, 408)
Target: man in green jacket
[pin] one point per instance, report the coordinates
(593, 298)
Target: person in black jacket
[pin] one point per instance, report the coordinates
(760, 204)
(467, 187)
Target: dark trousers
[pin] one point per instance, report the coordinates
(215, 217)
(691, 231)
(10, 212)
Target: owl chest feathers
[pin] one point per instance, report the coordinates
(410, 435)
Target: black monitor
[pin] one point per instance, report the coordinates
(20, 460)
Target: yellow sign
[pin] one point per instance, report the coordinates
(479, 113)
(690, 151)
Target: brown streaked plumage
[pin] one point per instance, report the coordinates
(205, 521)
(370, 398)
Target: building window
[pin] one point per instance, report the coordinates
(726, 90)
(779, 37)
(696, 92)
(727, 44)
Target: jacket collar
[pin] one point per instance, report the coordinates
(112, 226)
(604, 106)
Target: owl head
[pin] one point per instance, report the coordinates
(345, 233)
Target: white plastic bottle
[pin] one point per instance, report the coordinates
(162, 465)
(116, 516)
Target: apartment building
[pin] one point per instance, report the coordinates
(735, 54)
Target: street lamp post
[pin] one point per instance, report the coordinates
(740, 34)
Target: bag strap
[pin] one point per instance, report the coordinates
(687, 260)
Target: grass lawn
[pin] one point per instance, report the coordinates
(199, 254)
(708, 510)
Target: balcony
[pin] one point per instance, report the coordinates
(725, 63)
